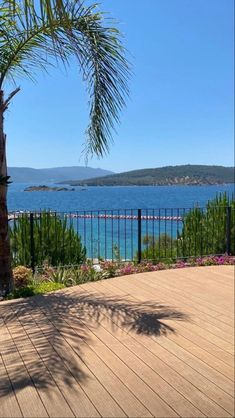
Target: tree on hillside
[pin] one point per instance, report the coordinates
(34, 38)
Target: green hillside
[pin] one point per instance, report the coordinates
(171, 175)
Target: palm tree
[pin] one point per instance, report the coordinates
(32, 39)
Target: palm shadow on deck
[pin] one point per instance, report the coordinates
(43, 338)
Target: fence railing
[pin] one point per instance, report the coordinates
(124, 235)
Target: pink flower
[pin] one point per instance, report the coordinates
(84, 267)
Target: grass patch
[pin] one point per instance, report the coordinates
(35, 289)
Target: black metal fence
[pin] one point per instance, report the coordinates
(124, 235)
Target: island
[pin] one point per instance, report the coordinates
(48, 189)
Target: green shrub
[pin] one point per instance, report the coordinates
(35, 289)
(204, 232)
(54, 239)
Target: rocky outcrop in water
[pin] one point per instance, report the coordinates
(47, 189)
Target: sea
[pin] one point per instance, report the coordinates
(101, 235)
(115, 197)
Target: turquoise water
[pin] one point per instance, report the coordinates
(100, 236)
(95, 198)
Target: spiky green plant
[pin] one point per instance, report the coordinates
(205, 231)
(35, 35)
(54, 241)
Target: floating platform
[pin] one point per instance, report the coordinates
(16, 215)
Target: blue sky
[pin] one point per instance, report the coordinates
(181, 103)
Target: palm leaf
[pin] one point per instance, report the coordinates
(37, 43)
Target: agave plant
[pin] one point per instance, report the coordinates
(37, 35)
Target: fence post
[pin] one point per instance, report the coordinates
(32, 247)
(139, 236)
(228, 230)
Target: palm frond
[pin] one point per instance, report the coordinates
(46, 9)
(84, 33)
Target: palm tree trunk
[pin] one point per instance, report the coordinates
(6, 278)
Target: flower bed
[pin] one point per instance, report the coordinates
(131, 268)
(51, 278)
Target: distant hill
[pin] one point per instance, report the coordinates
(171, 175)
(54, 175)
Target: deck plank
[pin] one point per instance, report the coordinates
(9, 404)
(152, 344)
(213, 392)
(56, 396)
(27, 396)
(202, 349)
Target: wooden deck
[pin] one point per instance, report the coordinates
(155, 344)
